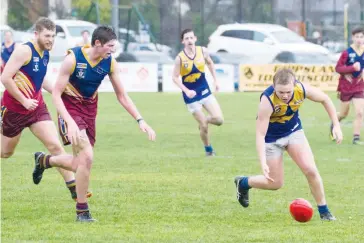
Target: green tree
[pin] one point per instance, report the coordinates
(83, 7)
(18, 16)
(22, 14)
(148, 8)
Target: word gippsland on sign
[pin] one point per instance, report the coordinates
(259, 77)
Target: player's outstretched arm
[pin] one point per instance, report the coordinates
(341, 66)
(127, 103)
(211, 66)
(65, 71)
(20, 56)
(316, 95)
(264, 112)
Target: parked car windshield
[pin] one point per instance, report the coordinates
(287, 36)
(75, 31)
(312, 58)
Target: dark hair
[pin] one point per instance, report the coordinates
(104, 34)
(283, 76)
(357, 30)
(185, 31)
(44, 23)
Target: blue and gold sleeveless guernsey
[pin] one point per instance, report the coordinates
(353, 57)
(29, 80)
(6, 51)
(285, 118)
(85, 79)
(193, 75)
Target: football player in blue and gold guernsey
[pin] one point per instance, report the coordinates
(190, 65)
(278, 128)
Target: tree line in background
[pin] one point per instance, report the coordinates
(166, 18)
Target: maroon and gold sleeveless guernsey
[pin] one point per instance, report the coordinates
(29, 80)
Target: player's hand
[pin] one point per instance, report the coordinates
(357, 66)
(217, 87)
(265, 169)
(144, 127)
(337, 134)
(30, 104)
(190, 94)
(348, 77)
(73, 132)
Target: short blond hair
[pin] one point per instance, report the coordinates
(284, 76)
(44, 23)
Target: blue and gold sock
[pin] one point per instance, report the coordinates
(323, 209)
(209, 149)
(244, 183)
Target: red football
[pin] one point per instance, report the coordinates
(301, 210)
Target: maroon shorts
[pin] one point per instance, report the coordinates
(345, 97)
(13, 123)
(88, 124)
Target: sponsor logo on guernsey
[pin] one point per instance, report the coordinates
(185, 64)
(352, 57)
(35, 64)
(81, 65)
(277, 108)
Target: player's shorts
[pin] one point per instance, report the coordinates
(277, 148)
(13, 123)
(345, 97)
(197, 105)
(88, 124)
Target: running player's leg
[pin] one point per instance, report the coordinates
(359, 109)
(201, 118)
(196, 109)
(46, 132)
(215, 116)
(344, 110)
(274, 155)
(12, 124)
(83, 160)
(42, 126)
(8, 145)
(300, 151)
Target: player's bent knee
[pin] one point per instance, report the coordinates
(55, 148)
(86, 159)
(5, 155)
(359, 115)
(219, 121)
(204, 127)
(276, 185)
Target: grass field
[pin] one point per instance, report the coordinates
(168, 191)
